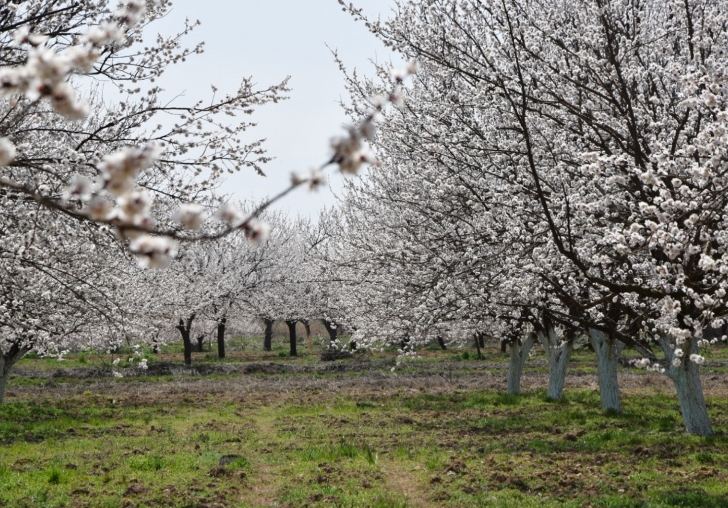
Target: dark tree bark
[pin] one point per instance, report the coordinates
(477, 338)
(715, 333)
(481, 340)
(352, 343)
(185, 329)
(307, 326)
(332, 330)
(441, 341)
(292, 337)
(200, 341)
(268, 339)
(155, 345)
(7, 360)
(404, 342)
(221, 338)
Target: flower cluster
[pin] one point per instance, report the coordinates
(349, 150)
(45, 71)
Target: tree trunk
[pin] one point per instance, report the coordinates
(608, 350)
(200, 343)
(481, 340)
(7, 360)
(187, 345)
(221, 338)
(504, 345)
(519, 353)
(441, 341)
(4, 373)
(332, 330)
(558, 354)
(185, 331)
(686, 376)
(476, 336)
(307, 326)
(155, 345)
(292, 337)
(268, 340)
(404, 343)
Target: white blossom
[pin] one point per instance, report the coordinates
(256, 231)
(190, 216)
(229, 215)
(7, 152)
(697, 359)
(153, 251)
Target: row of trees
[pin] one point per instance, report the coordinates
(553, 171)
(233, 280)
(87, 178)
(556, 170)
(86, 291)
(101, 172)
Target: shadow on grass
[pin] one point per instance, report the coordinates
(34, 423)
(684, 499)
(21, 420)
(694, 498)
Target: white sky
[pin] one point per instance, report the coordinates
(271, 39)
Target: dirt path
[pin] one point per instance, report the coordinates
(241, 387)
(407, 484)
(263, 491)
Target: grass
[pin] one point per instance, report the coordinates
(350, 439)
(463, 448)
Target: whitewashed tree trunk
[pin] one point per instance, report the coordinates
(608, 350)
(519, 354)
(558, 354)
(686, 376)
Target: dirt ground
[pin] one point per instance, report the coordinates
(261, 380)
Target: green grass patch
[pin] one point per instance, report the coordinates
(461, 448)
(369, 447)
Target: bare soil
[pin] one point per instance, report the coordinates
(258, 379)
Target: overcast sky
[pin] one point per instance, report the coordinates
(272, 39)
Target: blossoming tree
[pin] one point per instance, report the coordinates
(601, 126)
